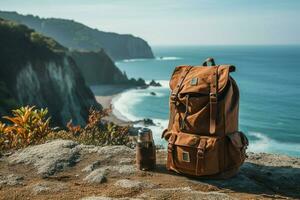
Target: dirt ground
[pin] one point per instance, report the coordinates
(69, 185)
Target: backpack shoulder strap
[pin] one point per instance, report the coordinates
(174, 97)
(175, 92)
(213, 100)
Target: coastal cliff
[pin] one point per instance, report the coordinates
(64, 169)
(75, 35)
(36, 70)
(97, 68)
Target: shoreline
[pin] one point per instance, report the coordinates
(105, 95)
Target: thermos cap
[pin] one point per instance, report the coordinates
(145, 135)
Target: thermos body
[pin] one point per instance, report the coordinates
(145, 150)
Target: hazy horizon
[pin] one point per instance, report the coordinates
(171, 23)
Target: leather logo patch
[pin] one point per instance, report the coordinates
(186, 156)
(194, 81)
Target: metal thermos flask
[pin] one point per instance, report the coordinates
(145, 150)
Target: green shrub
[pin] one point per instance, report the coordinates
(96, 132)
(29, 126)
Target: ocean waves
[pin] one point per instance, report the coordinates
(261, 143)
(167, 58)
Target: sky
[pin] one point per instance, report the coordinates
(179, 22)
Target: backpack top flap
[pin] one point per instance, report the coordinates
(199, 78)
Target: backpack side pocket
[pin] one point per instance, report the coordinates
(236, 144)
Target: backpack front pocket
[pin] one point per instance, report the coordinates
(195, 155)
(194, 117)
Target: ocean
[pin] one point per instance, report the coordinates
(269, 82)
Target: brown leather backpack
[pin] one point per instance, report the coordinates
(203, 131)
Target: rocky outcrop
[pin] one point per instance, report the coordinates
(112, 174)
(36, 70)
(154, 84)
(96, 176)
(78, 36)
(49, 158)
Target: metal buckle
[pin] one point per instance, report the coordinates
(213, 98)
(200, 153)
(173, 98)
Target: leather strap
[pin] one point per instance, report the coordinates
(172, 116)
(171, 150)
(200, 157)
(175, 92)
(174, 97)
(183, 121)
(164, 133)
(213, 101)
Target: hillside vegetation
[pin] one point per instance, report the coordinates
(75, 35)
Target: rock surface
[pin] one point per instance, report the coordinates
(126, 183)
(92, 166)
(47, 187)
(97, 176)
(144, 122)
(48, 158)
(55, 171)
(11, 180)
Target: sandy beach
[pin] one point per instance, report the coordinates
(105, 94)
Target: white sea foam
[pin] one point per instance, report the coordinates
(135, 60)
(168, 58)
(124, 103)
(144, 59)
(164, 83)
(263, 143)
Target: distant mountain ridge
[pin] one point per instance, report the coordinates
(75, 35)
